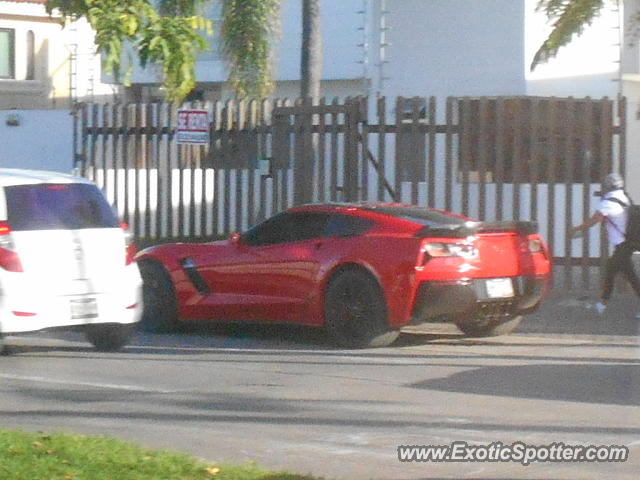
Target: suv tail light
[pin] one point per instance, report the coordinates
(9, 259)
(534, 245)
(130, 248)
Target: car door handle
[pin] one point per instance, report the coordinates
(319, 245)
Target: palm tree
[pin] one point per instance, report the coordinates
(570, 18)
(311, 55)
(249, 28)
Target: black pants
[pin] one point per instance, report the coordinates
(620, 262)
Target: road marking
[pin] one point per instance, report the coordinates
(113, 386)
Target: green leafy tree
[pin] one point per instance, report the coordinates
(172, 33)
(569, 19)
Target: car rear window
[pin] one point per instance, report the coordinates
(422, 216)
(67, 206)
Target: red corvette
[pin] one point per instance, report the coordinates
(361, 271)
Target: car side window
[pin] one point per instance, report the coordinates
(265, 233)
(287, 227)
(306, 226)
(347, 226)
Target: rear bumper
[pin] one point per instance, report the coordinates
(29, 302)
(18, 315)
(446, 301)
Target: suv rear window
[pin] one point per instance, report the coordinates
(67, 206)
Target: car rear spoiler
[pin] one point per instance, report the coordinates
(472, 228)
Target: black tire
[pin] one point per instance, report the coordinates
(160, 311)
(110, 337)
(355, 313)
(484, 328)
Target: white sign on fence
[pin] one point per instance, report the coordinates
(193, 127)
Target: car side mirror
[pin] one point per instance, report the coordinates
(234, 239)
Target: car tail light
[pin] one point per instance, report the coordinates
(9, 259)
(534, 245)
(130, 247)
(447, 249)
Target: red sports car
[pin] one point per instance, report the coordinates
(361, 271)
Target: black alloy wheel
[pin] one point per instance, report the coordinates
(110, 337)
(356, 313)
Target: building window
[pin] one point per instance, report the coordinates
(31, 56)
(7, 48)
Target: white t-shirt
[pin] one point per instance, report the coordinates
(615, 214)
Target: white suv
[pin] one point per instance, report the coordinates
(65, 259)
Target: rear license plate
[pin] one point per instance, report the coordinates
(499, 288)
(84, 308)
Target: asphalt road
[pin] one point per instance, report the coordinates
(286, 400)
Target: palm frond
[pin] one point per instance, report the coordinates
(248, 31)
(570, 18)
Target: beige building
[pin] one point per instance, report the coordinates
(43, 63)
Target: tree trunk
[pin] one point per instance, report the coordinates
(311, 59)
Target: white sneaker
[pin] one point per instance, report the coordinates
(599, 307)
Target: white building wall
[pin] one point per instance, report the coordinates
(89, 86)
(442, 48)
(631, 90)
(454, 47)
(340, 23)
(42, 140)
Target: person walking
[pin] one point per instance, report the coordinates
(612, 210)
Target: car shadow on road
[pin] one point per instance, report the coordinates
(232, 340)
(414, 350)
(606, 384)
(312, 338)
(247, 338)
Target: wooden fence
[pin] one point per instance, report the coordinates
(529, 158)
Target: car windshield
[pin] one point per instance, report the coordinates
(423, 216)
(50, 206)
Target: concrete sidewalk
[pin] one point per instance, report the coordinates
(568, 312)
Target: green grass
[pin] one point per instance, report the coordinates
(40, 456)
